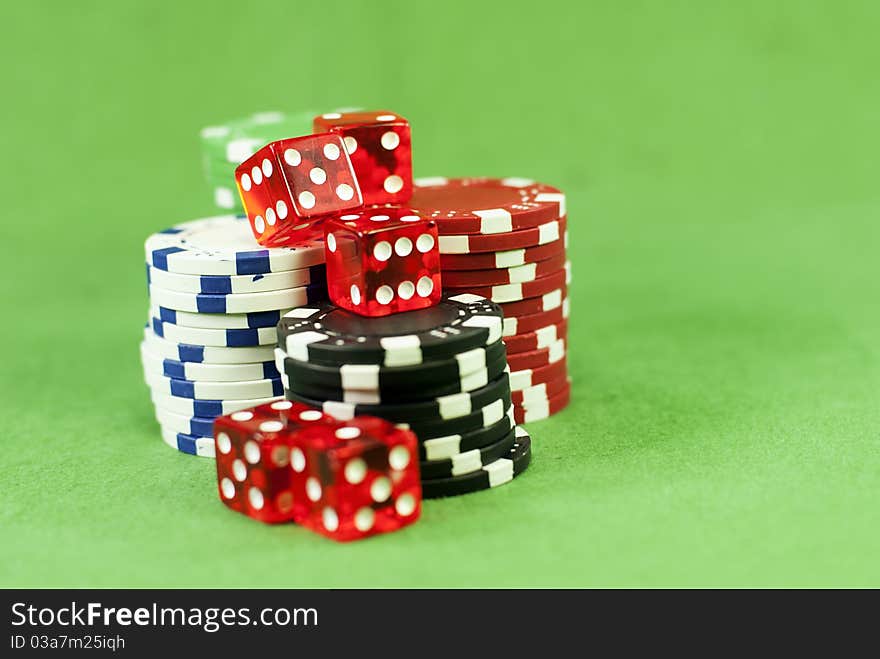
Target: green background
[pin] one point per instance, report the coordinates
(721, 166)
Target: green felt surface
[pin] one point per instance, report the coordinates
(721, 166)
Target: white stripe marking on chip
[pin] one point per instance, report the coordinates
(475, 380)
(520, 380)
(454, 405)
(454, 244)
(401, 350)
(500, 472)
(430, 181)
(539, 408)
(510, 258)
(301, 312)
(493, 413)
(339, 410)
(514, 182)
(534, 394)
(494, 220)
(492, 323)
(524, 273)
(548, 232)
(441, 448)
(298, 344)
(507, 293)
(545, 336)
(362, 397)
(467, 462)
(558, 197)
(556, 352)
(551, 300)
(359, 376)
(471, 360)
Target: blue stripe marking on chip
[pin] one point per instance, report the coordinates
(263, 318)
(173, 369)
(252, 263)
(201, 426)
(191, 444)
(208, 408)
(157, 327)
(160, 256)
(211, 303)
(277, 388)
(191, 353)
(168, 315)
(183, 388)
(270, 371)
(217, 303)
(186, 444)
(237, 338)
(215, 284)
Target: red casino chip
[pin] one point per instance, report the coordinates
(514, 326)
(520, 380)
(542, 337)
(506, 259)
(496, 277)
(545, 409)
(537, 358)
(543, 234)
(517, 292)
(486, 205)
(538, 395)
(534, 305)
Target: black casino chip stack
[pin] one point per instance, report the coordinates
(440, 371)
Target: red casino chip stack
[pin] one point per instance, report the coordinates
(506, 240)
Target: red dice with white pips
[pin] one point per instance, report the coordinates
(381, 261)
(380, 146)
(360, 478)
(288, 462)
(253, 446)
(288, 186)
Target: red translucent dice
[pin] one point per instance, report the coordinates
(380, 148)
(287, 186)
(253, 459)
(360, 478)
(382, 261)
(286, 461)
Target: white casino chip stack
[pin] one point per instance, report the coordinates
(215, 299)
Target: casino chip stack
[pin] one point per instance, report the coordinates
(215, 299)
(442, 371)
(226, 146)
(506, 240)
